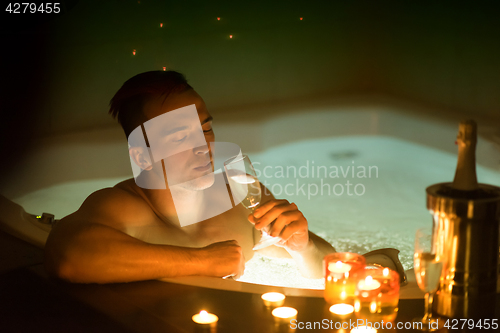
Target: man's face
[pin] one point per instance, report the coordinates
(186, 144)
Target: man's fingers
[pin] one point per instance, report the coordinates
(285, 220)
(225, 259)
(274, 213)
(241, 268)
(264, 208)
(293, 228)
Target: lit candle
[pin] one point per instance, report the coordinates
(368, 284)
(284, 315)
(205, 319)
(342, 309)
(339, 267)
(377, 295)
(273, 299)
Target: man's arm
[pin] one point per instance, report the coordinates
(88, 246)
(305, 247)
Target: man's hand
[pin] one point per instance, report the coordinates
(282, 219)
(223, 259)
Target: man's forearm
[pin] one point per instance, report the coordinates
(97, 253)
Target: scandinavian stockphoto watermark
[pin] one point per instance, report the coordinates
(310, 179)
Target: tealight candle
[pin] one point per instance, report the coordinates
(368, 284)
(273, 299)
(377, 295)
(342, 309)
(284, 315)
(205, 320)
(339, 268)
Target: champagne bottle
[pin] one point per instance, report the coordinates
(466, 226)
(465, 174)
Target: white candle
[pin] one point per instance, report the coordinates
(368, 284)
(339, 267)
(342, 309)
(205, 319)
(273, 299)
(284, 314)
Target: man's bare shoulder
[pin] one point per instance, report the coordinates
(117, 206)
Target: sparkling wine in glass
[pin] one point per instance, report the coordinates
(428, 266)
(245, 187)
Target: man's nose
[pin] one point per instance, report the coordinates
(201, 150)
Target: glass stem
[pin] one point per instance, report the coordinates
(428, 306)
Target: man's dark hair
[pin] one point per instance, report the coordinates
(127, 104)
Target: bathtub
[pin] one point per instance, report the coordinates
(405, 148)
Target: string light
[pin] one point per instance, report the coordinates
(218, 19)
(301, 18)
(164, 68)
(230, 36)
(161, 25)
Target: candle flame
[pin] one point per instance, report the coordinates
(368, 280)
(357, 306)
(385, 272)
(204, 318)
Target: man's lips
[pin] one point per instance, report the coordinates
(204, 167)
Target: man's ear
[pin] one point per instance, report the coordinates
(141, 157)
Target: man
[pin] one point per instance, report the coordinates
(130, 232)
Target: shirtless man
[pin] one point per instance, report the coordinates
(129, 233)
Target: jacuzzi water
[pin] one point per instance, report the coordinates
(386, 214)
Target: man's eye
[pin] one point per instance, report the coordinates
(207, 131)
(179, 139)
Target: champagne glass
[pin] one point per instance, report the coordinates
(428, 265)
(245, 187)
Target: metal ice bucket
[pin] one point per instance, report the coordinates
(466, 232)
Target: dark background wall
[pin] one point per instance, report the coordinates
(59, 72)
